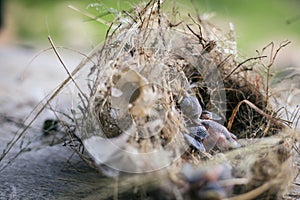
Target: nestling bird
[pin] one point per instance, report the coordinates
(219, 136)
(206, 131)
(190, 107)
(204, 182)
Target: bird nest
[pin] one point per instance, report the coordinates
(131, 118)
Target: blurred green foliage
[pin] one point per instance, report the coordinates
(254, 20)
(34, 20)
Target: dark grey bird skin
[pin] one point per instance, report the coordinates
(198, 132)
(218, 136)
(194, 142)
(206, 131)
(190, 107)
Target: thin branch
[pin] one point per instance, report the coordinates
(296, 124)
(129, 15)
(194, 21)
(295, 113)
(47, 49)
(197, 35)
(158, 11)
(65, 67)
(108, 30)
(239, 65)
(271, 62)
(90, 15)
(276, 121)
(224, 61)
(282, 45)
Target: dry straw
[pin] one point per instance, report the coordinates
(152, 59)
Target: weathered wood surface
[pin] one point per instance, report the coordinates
(42, 172)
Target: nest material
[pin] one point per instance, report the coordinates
(144, 67)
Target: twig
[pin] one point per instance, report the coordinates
(295, 114)
(129, 15)
(90, 15)
(65, 67)
(235, 110)
(202, 40)
(254, 58)
(224, 61)
(296, 124)
(47, 49)
(296, 148)
(271, 62)
(158, 11)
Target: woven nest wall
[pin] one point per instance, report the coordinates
(148, 63)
